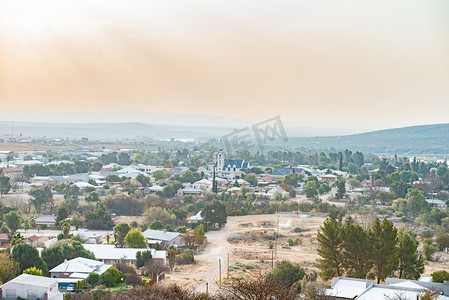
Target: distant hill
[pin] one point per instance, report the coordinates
(414, 140)
(109, 131)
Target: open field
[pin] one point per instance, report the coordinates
(247, 240)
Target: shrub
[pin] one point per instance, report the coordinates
(133, 279)
(293, 242)
(33, 271)
(97, 294)
(185, 258)
(111, 276)
(440, 276)
(299, 229)
(93, 278)
(286, 273)
(182, 229)
(79, 287)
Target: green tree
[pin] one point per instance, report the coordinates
(383, 238)
(111, 276)
(416, 203)
(251, 179)
(62, 214)
(400, 189)
(39, 197)
(142, 257)
(181, 229)
(324, 188)
(65, 227)
(156, 225)
(311, 189)
(135, 239)
(98, 219)
(9, 268)
(123, 159)
(215, 213)
(411, 265)
(27, 256)
(330, 249)
(93, 278)
(443, 241)
(286, 273)
(65, 249)
(160, 174)
(143, 180)
(5, 185)
(440, 276)
(33, 271)
(13, 219)
(356, 251)
(93, 197)
(121, 230)
(76, 220)
(341, 189)
(428, 249)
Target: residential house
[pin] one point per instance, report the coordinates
(203, 184)
(28, 286)
(436, 203)
(354, 288)
(328, 178)
(48, 221)
(94, 237)
(3, 239)
(277, 190)
(110, 254)
(11, 172)
(164, 238)
(189, 191)
(32, 240)
(79, 265)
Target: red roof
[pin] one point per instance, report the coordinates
(3, 237)
(7, 170)
(33, 238)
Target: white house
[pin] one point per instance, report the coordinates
(277, 190)
(109, 254)
(203, 184)
(79, 265)
(48, 221)
(164, 238)
(31, 287)
(354, 288)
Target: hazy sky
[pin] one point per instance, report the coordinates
(347, 63)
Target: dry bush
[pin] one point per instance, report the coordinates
(256, 287)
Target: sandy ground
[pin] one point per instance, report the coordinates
(255, 252)
(244, 239)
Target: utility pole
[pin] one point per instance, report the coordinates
(228, 266)
(219, 268)
(207, 287)
(272, 260)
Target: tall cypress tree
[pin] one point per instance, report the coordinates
(330, 249)
(411, 265)
(356, 251)
(383, 238)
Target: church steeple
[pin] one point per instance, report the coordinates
(220, 160)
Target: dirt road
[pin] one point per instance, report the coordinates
(207, 269)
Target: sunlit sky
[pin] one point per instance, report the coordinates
(349, 63)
